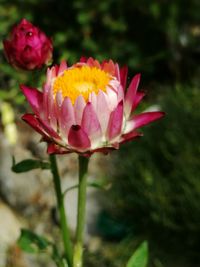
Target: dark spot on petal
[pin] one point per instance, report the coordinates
(76, 127)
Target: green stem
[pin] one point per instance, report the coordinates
(61, 209)
(78, 250)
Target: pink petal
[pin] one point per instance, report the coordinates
(56, 69)
(93, 63)
(48, 128)
(59, 99)
(33, 121)
(40, 126)
(78, 138)
(130, 95)
(51, 110)
(56, 149)
(115, 122)
(139, 96)
(93, 100)
(51, 74)
(34, 97)
(62, 67)
(79, 107)
(83, 59)
(67, 117)
(90, 123)
(123, 76)
(53, 148)
(116, 87)
(46, 89)
(104, 150)
(130, 136)
(111, 98)
(117, 72)
(109, 67)
(145, 118)
(120, 95)
(103, 112)
(114, 84)
(48, 76)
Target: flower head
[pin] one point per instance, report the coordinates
(28, 47)
(86, 108)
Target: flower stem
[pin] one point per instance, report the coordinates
(78, 249)
(61, 209)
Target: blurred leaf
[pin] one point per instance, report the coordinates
(32, 243)
(139, 257)
(7, 113)
(100, 185)
(10, 131)
(28, 165)
(8, 121)
(104, 186)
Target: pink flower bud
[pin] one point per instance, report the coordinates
(28, 48)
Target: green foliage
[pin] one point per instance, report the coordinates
(32, 243)
(156, 186)
(139, 257)
(97, 184)
(28, 165)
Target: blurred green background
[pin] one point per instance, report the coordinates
(156, 186)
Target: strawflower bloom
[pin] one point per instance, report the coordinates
(27, 47)
(86, 108)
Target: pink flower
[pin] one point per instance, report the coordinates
(28, 47)
(86, 108)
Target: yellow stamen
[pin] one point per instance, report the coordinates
(81, 81)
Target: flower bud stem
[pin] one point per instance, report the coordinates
(78, 249)
(61, 209)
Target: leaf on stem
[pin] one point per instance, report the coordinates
(100, 185)
(97, 185)
(28, 165)
(32, 243)
(139, 257)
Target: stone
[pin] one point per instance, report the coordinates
(10, 226)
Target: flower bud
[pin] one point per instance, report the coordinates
(28, 48)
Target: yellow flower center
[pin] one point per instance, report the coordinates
(81, 81)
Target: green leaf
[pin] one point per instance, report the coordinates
(31, 242)
(139, 257)
(92, 184)
(28, 165)
(98, 185)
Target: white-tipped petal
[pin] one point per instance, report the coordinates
(103, 111)
(67, 117)
(78, 108)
